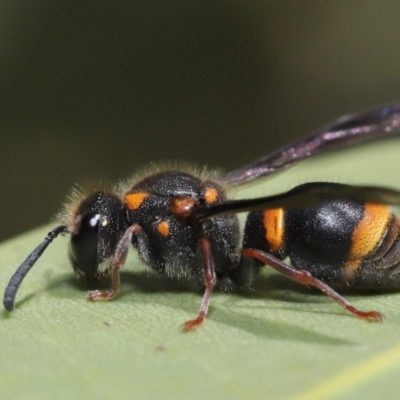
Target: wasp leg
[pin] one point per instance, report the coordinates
(209, 280)
(118, 261)
(305, 278)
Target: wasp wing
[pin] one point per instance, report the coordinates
(373, 124)
(304, 196)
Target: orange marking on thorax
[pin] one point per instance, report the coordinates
(273, 224)
(163, 228)
(211, 195)
(183, 206)
(134, 200)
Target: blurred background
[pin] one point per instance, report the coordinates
(95, 89)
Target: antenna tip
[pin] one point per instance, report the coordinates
(8, 304)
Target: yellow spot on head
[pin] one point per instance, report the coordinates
(104, 222)
(134, 200)
(163, 228)
(211, 195)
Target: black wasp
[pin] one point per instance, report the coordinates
(182, 224)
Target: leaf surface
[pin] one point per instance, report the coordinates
(280, 341)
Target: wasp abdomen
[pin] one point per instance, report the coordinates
(349, 245)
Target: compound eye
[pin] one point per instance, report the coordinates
(84, 243)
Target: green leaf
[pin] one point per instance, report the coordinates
(280, 341)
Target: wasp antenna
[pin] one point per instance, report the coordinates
(15, 282)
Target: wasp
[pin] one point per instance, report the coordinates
(180, 220)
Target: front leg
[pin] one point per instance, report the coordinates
(118, 261)
(209, 280)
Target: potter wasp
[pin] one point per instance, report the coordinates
(180, 220)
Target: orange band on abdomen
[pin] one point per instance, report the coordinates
(370, 231)
(273, 224)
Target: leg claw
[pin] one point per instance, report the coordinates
(191, 325)
(374, 316)
(96, 295)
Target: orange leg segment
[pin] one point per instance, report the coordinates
(118, 261)
(209, 280)
(305, 278)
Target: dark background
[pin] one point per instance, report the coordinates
(92, 89)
